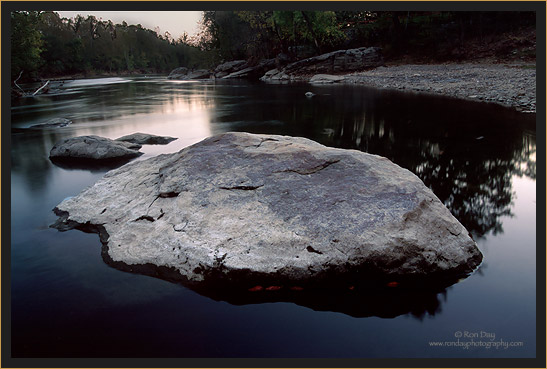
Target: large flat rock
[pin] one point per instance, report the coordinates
(245, 208)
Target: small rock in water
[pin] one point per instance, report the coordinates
(146, 139)
(53, 123)
(93, 148)
(310, 94)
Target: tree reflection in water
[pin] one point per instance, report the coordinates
(472, 179)
(467, 153)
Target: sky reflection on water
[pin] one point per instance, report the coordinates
(479, 159)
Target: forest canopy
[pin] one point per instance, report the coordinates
(44, 44)
(435, 35)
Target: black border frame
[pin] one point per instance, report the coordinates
(538, 6)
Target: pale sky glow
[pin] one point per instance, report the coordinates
(175, 22)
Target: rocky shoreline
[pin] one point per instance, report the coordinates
(512, 85)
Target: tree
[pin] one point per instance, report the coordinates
(263, 34)
(26, 43)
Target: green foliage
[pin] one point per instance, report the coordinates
(322, 28)
(26, 43)
(429, 35)
(263, 34)
(227, 34)
(43, 44)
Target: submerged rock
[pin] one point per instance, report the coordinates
(93, 148)
(53, 123)
(240, 208)
(146, 139)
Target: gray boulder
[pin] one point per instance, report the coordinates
(229, 67)
(340, 61)
(199, 74)
(253, 72)
(146, 139)
(240, 208)
(178, 73)
(244, 73)
(93, 148)
(326, 78)
(276, 75)
(53, 123)
(183, 73)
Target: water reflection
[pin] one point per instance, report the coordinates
(110, 108)
(418, 298)
(465, 152)
(84, 101)
(358, 304)
(433, 137)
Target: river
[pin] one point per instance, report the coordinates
(478, 158)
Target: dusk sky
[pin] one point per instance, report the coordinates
(175, 22)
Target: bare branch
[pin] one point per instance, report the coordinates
(38, 90)
(15, 82)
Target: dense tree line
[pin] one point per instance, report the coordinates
(44, 44)
(437, 35)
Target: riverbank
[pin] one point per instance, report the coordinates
(512, 85)
(99, 74)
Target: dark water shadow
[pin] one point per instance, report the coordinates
(374, 298)
(92, 165)
(357, 292)
(370, 298)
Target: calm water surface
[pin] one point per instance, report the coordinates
(479, 159)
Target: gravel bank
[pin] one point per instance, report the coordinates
(509, 85)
